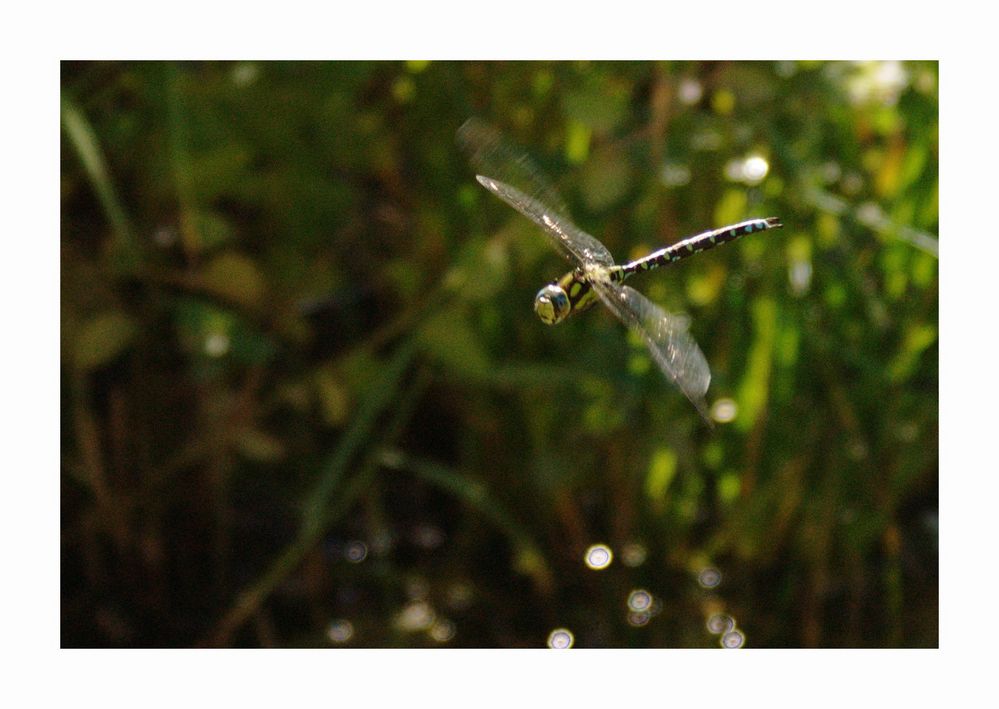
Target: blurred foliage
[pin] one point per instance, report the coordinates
(305, 400)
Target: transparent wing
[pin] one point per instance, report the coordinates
(511, 175)
(493, 156)
(571, 241)
(666, 336)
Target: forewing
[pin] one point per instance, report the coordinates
(493, 156)
(671, 345)
(511, 175)
(570, 241)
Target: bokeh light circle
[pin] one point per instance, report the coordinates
(709, 577)
(733, 640)
(639, 600)
(719, 623)
(561, 639)
(340, 631)
(599, 556)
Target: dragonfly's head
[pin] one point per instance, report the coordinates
(552, 304)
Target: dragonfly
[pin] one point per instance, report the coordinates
(511, 175)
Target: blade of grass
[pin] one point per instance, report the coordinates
(476, 495)
(378, 398)
(330, 499)
(177, 116)
(84, 141)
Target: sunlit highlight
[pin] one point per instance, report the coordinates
(442, 630)
(633, 555)
(599, 556)
(674, 175)
(754, 169)
(216, 344)
(724, 410)
(719, 623)
(733, 170)
(750, 171)
(560, 639)
(690, 91)
(800, 275)
(428, 537)
(244, 74)
(356, 552)
(871, 215)
(709, 577)
(340, 632)
(637, 619)
(877, 82)
(640, 600)
(415, 617)
(831, 171)
(785, 69)
(733, 640)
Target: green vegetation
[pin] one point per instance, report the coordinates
(306, 402)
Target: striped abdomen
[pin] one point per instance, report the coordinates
(696, 244)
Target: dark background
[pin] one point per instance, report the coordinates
(305, 400)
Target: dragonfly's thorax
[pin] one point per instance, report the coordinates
(569, 294)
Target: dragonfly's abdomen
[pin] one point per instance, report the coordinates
(701, 242)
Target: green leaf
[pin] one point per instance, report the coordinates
(577, 143)
(102, 339)
(731, 207)
(259, 446)
(334, 397)
(917, 339)
(236, 276)
(606, 179)
(755, 388)
(599, 107)
(662, 470)
(85, 143)
(481, 270)
(729, 486)
(448, 339)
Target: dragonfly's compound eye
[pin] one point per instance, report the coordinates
(551, 304)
